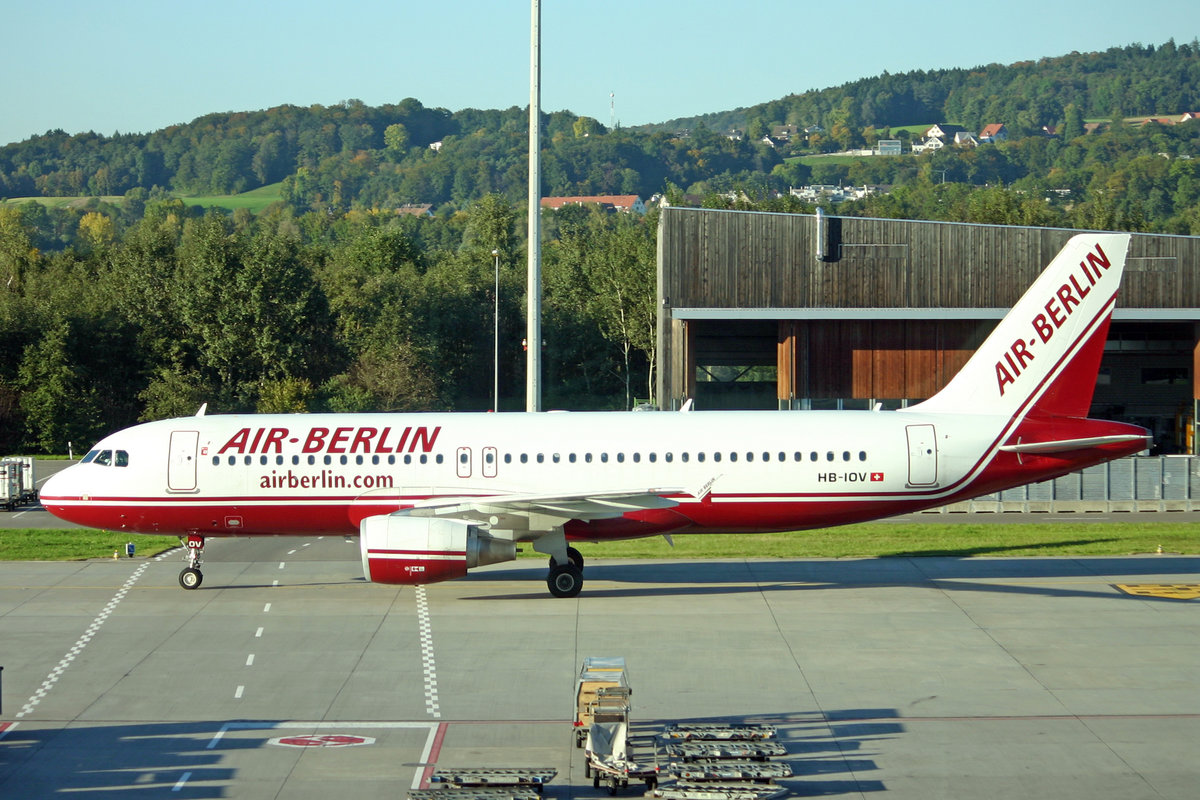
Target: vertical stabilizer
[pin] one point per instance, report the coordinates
(1043, 357)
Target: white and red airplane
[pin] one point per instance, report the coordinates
(434, 495)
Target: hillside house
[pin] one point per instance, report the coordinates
(995, 132)
(624, 203)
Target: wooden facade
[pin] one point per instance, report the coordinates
(871, 308)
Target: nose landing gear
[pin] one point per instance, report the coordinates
(191, 577)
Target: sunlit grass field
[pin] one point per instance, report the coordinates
(868, 540)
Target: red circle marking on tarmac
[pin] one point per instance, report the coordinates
(335, 740)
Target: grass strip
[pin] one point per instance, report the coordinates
(73, 544)
(868, 540)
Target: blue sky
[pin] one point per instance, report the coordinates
(140, 65)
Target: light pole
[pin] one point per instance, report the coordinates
(496, 339)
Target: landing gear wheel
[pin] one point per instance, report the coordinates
(190, 578)
(573, 557)
(565, 580)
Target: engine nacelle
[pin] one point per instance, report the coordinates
(397, 548)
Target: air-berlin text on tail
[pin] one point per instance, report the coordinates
(362, 439)
(1065, 300)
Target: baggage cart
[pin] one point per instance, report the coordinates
(718, 732)
(602, 694)
(609, 759)
(492, 778)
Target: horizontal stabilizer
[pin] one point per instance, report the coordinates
(1066, 445)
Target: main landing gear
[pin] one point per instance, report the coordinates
(566, 580)
(190, 576)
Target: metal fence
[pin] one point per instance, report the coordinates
(1143, 483)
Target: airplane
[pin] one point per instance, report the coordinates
(433, 495)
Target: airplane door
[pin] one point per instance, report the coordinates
(489, 462)
(181, 461)
(922, 455)
(463, 462)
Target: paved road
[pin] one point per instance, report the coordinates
(939, 677)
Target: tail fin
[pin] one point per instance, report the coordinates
(1043, 357)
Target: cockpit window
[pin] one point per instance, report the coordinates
(122, 458)
(104, 457)
(91, 455)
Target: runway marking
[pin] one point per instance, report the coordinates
(266, 608)
(426, 629)
(182, 780)
(281, 563)
(436, 734)
(5, 727)
(237, 695)
(258, 633)
(81, 643)
(250, 660)
(1173, 591)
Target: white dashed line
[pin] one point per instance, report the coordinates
(182, 780)
(81, 643)
(250, 660)
(237, 695)
(281, 563)
(426, 629)
(266, 608)
(258, 633)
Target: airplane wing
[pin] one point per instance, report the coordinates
(543, 511)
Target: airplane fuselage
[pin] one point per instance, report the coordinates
(727, 471)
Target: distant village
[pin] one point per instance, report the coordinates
(934, 138)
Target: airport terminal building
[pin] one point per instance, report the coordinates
(797, 311)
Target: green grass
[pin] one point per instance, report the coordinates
(75, 545)
(868, 540)
(812, 161)
(892, 539)
(255, 199)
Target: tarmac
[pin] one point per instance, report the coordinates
(286, 675)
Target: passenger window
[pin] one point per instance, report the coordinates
(508, 458)
(700, 457)
(408, 458)
(555, 458)
(232, 460)
(122, 458)
(375, 461)
(279, 460)
(438, 458)
(668, 457)
(489, 456)
(637, 458)
(587, 457)
(829, 456)
(684, 456)
(797, 456)
(358, 460)
(541, 459)
(733, 456)
(571, 458)
(604, 458)
(620, 458)
(812, 456)
(342, 460)
(312, 460)
(391, 460)
(328, 460)
(845, 455)
(216, 461)
(862, 455)
(749, 456)
(104, 458)
(262, 460)
(716, 456)
(424, 458)
(653, 457)
(524, 458)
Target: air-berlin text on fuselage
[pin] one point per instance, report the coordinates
(249, 441)
(1061, 305)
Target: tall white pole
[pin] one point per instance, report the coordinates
(533, 321)
(496, 338)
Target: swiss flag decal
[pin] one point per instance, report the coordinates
(876, 476)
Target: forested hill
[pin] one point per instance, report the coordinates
(352, 155)
(1119, 82)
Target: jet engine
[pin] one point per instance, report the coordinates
(397, 548)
